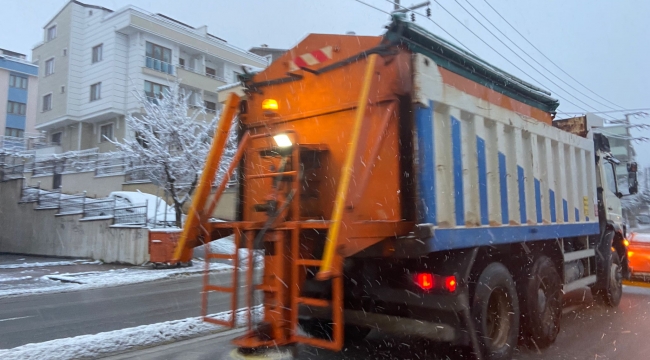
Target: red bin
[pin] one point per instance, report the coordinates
(162, 243)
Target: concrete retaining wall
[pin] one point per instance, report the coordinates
(40, 232)
(94, 186)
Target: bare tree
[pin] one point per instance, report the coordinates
(171, 143)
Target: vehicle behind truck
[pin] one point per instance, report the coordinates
(402, 184)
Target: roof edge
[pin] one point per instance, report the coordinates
(457, 60)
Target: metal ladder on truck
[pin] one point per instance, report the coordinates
(281, 235)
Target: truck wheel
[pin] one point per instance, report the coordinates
(322, 329)
(611, 295)
(495, 310)
(541, 303)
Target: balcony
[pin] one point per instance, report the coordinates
(199, 79)
(202, 72)
(29, 141)
(159, 65)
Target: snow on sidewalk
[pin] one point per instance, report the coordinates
(48, 263)
(118, 341)
(57, 283)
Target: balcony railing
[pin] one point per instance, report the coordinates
(29, 141)
(200, 72)
(159, 65)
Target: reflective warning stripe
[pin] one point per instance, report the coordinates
(311, 58)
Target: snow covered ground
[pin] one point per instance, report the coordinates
(47, 263)
(112, 342)
(33, 275)
(55, 283)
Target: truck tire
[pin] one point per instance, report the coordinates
(541, 303)
(322, 329)
(612, 293)
(495, 309)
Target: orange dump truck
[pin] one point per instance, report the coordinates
(400, 183)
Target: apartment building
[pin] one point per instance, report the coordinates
(271, 54)
(92, 59)
(18, 97)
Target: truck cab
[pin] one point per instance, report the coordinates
(610, 191)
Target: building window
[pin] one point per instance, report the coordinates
(181, 62)
(95, 91)
(51, 33)
(62, 89)
(47, 102)
(65, 52)
(153, 90)
(106, 133)
(16, 108)
(98, 53)
(14, 132)
(139, 137)
(16, 81)
(49, 67)
(56, 138)
(159, 58)
(210, 107)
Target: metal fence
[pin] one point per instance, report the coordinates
(72, 204)
(109, 208)
(131, 215)
(29, 141)
(49, 199)
(104, 164)
(30, 193)
(99, 207)
(111, 164)
(11, 172)
(80, 163)
(43, 167)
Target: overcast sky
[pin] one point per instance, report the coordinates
(601, 43)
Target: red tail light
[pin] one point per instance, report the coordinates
(428, 282)
(450, 283)
(424, 280)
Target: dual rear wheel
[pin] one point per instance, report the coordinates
(498, 308)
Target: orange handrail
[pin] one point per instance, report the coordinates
(190, 230)
(325, 271)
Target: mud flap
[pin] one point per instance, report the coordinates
(603, 259)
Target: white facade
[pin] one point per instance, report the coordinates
(100, 59)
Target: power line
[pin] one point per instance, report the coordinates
(535, 60)
(612, 111)
(546, 57)
(376, 8)
(514, 52)
(466, 47)
(438, 25)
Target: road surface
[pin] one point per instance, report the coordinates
(38, 318)
(589, 332)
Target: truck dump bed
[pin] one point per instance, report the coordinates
(491, 168)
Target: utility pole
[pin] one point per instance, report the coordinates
(403, 9)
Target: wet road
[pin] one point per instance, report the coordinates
(589, 332)
(38, 318)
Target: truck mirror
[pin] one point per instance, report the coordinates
(631, 178)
